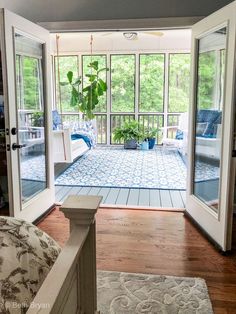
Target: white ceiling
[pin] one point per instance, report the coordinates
(115, 41)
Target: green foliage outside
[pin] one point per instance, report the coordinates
(87, 99)
(32, 88)
(102, 102)
(122, 83)
(66, 64)
(179, 79)
(152, 68)
(206, 80)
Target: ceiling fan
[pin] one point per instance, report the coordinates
(130, 35)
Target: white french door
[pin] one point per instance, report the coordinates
(210, 165)
(27, 96)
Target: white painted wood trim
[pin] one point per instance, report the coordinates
(121, 24)
(11, 23)
(70, 286)
(217, 225)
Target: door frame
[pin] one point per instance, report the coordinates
(220, 228)
(10, 23)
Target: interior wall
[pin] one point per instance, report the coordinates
(74, 10)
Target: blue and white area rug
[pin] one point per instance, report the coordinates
(116, 167)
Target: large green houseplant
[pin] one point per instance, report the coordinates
(130, 133)
(87, 99)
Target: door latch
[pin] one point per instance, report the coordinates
(17, 146)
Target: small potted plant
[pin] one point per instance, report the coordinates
(151, 135)
(130, 133)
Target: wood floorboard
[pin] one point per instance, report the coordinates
(131, 197)
(144, 197)
(94, 191)
(155, 200)
(183, 195)
(104, 192)
(176, 199)
(122, 198)
(165, 198)
(84, 190)
(112, 196)
(157, 243)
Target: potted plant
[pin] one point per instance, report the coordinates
(151, 135)
(130, 133)
(88, 98)
(38, 119)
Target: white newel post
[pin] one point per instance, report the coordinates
(81, 210)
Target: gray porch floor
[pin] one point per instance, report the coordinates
(130, 197)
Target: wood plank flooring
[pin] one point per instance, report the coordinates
(157, 242)
(130, 197)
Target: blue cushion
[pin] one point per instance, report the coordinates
(84, 137)
(212, 117)
(179, 135)
(56, 119)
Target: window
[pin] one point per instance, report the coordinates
(179, 73)
(156, 103)
(151, 95)
(102, 63)
(63, 93)
(122, 83)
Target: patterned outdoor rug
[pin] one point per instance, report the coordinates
(125, 293)
(117, 167)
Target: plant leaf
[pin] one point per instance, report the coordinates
(103, 69)
(64, 83)
(103, 85)
(70, 76)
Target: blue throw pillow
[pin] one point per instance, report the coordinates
(56, 119)
(179, 135)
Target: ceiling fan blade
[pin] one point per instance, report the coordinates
(157, 33)
(107, 34)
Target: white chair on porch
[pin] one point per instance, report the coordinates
(180, 140)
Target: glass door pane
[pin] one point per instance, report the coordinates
(30, 116)
(208, 117)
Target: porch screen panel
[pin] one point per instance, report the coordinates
(122, 83)
(102, 63)
(63, 93)
(179, 82)
(152, 77)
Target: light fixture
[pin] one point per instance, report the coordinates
(130, 35)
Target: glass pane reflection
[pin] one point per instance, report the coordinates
(30, 107)
(208, 135)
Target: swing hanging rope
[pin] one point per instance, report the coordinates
(59, 94)
(91, 70)
(58, 76)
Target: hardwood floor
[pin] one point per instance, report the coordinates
(157, 242)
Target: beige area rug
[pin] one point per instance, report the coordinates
(125, 293)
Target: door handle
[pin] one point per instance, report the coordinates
(17, 146)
